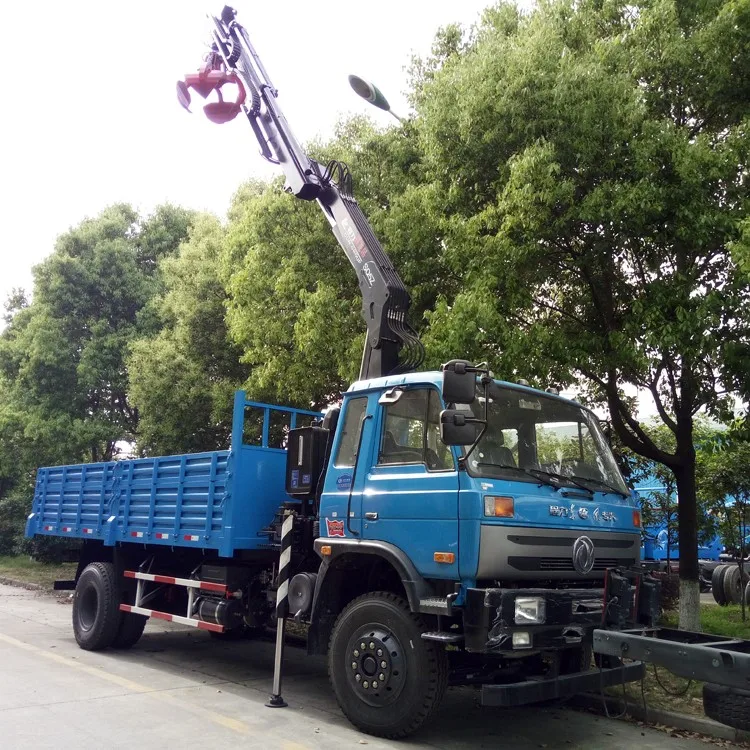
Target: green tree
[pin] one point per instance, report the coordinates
(591, 159)
(723, 478)
(294, 306)
(63, 381)
(182, 379)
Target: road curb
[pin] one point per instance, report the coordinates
(22, 584)
(701, 725)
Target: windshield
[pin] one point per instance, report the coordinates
(540, 438)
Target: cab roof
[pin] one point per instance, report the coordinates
(435, 377)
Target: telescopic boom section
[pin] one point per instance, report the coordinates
(392, 345)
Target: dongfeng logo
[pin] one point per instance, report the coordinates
(583, 555)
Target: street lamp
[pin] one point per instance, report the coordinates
(371, 93)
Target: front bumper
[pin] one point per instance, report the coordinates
(563, 686)
(570, 618)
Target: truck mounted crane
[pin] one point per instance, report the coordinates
(424, 532)
(392, 345)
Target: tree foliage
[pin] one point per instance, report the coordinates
(592, 160)
(63, 380)
(183, 377)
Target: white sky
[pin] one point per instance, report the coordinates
(89, 117)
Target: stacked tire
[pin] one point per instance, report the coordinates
(717, 584)
(729, 584)
(727, 705)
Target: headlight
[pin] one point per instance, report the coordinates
(530, 609)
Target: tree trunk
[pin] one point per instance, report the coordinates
(687, 529)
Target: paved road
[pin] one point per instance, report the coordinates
(179, 688)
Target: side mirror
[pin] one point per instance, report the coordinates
(458, 429)
(459, 383)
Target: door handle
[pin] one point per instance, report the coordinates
(371, 516)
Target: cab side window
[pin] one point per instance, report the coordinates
(347, 451)
(411, 431)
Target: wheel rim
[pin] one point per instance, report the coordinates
(88, 604)
(375, 665)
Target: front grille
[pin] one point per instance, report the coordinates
(565, 564)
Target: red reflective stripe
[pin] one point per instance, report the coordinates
(202, 625)
(161, 615)
(129, 574)
(125, 608)
(217, 587)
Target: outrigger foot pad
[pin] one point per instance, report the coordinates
(276, 701)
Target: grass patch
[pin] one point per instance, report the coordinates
(726, 621)
(23, 568)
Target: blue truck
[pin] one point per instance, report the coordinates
(413, 560)
(435, 527)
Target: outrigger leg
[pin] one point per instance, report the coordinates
(282, 609)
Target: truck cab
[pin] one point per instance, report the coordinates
(510, 536)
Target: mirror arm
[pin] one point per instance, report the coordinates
(485, 380)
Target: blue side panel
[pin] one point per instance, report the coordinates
(217, 500)
(172, 500)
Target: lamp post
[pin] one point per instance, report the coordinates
(371, 93)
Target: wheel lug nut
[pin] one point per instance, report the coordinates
(372, 645)
(383, 664)
(380, 652)
(357, 677)
(374, 685)
(354, 665)
(381, 677)
(365, 684)
(363, 646)
(356, 652)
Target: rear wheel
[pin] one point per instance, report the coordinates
(387, 680)
(96, 607)
(130, 631)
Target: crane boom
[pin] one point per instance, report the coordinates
(392, 345)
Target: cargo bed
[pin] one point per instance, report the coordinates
(216, 500)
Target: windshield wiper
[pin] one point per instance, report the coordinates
(561, 477)
(528, 472)
(601, 484)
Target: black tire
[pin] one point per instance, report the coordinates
(727, 705)
(130, 631)
(717, 584)
(732, 583)
(415, 674)
(96, 607)
(578, 659)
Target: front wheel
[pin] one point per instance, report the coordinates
(387, 680)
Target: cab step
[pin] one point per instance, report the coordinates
(437, 605)
(441, 636)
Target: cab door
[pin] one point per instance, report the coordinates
(410, 493)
